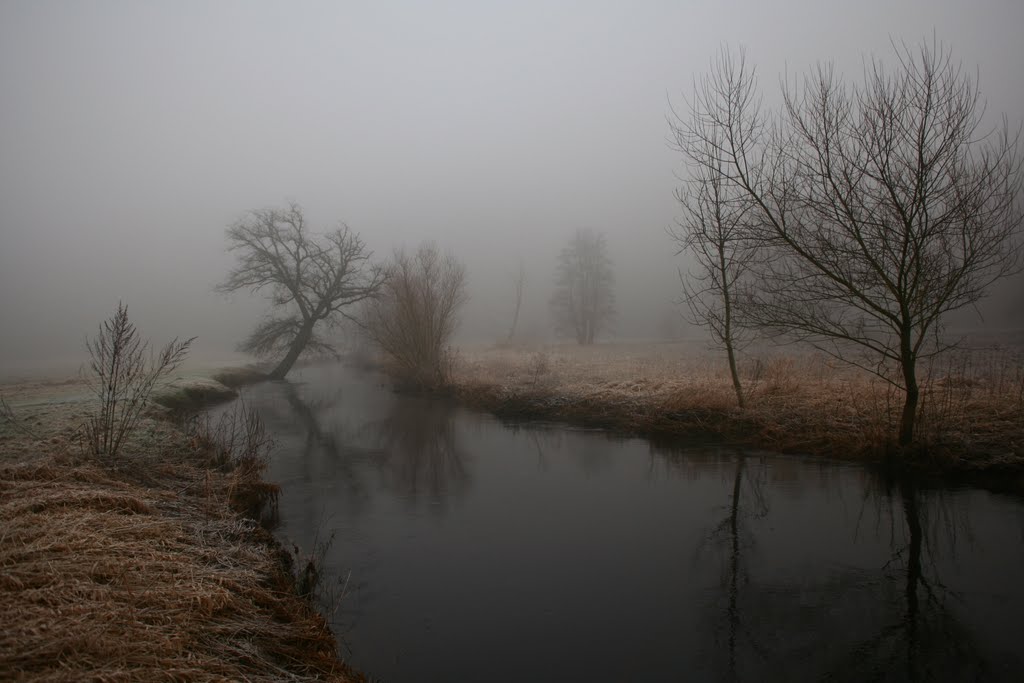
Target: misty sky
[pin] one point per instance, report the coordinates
(132, 133)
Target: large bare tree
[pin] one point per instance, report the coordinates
(880, 206)
(583, 302)
(311, 279)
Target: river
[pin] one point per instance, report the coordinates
(463, 548)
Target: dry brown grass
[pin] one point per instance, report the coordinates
(972, 406)
(144, 571)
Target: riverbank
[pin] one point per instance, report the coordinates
(972, 414)
(149, 566)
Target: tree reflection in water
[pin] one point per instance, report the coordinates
(419, 451)
(789, 580)
(414, 448)
(330, 446)
(924, 632)
(898, 622)
(732, 537)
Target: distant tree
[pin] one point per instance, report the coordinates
(583, 302)
(414, 315)
(311, 279)
(879, 207)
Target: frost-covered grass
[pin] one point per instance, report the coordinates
(972, 408)
(142, 568)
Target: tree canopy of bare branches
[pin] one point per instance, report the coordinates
(584, 301)
(310, 279)
(415, 314)
(879, 206)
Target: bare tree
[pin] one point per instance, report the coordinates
(583, 302)
(520, 281)
(880, 206)
(713, 232)
(414, 315)
(311, 278)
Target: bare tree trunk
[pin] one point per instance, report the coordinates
(735, 374)
(909, 417)
(294, 351)
(520, 278)
(908, 364)
(515, 316)
(727, 338)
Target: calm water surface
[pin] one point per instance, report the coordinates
(474, 550)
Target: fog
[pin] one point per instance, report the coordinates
(132, 134)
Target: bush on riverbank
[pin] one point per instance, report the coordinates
(412, 319)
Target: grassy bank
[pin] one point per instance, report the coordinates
(972, 415)
(145, 567)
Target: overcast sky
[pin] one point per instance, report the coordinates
(132, 133)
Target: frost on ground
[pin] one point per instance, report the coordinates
(139, 567)
(972, 406)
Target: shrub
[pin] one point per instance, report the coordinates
(123, 375)
(415, 314)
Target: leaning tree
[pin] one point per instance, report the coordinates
(879, 207)
(311, 279)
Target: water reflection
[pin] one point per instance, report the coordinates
(327, 442)
(408, 445)
(896, 622)
(419, 451)
(700, 563)
(732, 538)
(928, 636)
(596, 457)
